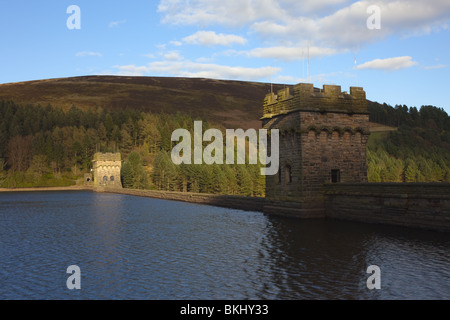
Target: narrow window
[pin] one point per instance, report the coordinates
(335, 176)
(288, 174)
(111, 179)
(105, 179)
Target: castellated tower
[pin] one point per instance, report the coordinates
(106, 168)
(323, 137)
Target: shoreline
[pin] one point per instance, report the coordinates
(217, 200)
(415, 205)
(37, 189)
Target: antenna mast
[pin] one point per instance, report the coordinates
(271, 84)
(303, 65)
(307, 68)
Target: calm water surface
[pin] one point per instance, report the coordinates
(139, 248)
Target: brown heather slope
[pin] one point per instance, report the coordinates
(234, 104)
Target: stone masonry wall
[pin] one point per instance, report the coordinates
(305, 97)
(226, 201)
(106, 168)
(325, 152)
(312, 144)
(421, 205)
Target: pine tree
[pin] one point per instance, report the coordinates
(139, 176)
(219, 182)
(244, 181)
(411, 172)
(127, 175)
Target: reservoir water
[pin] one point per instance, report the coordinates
(140, 248)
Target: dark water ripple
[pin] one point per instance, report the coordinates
(140, 248)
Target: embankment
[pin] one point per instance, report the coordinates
(70, 188)
(421, 205)
(226, 201)
(418, 205)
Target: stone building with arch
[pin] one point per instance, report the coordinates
(106, 170)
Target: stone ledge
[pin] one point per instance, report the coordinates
(418, 205)
(227, 201)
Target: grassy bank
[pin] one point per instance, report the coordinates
(30, 180)
(70, 188)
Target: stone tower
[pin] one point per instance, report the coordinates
(106, 168)
(323, 137)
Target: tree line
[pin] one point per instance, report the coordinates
(419, 151)
(46, 146)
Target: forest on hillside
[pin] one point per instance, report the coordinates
(419, 151)
(44, 146)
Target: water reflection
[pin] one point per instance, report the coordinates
(139, 248)
(107, 232)
(328, 260)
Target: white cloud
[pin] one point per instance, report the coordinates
(240, 12)
(210, 38)
(149, 55)
(176, 43)
(213, 12)
(173, 56)
(88, 53)
(289, 53)
(314, 6)
(204, 59)
(389, 64)
(113, 24)
(161, 46)
(325, 78)
(131, 70)
(288, 79)
(438, 66)
(187, 68)
(329, 23)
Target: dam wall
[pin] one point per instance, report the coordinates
(421, 205)
(226, 201)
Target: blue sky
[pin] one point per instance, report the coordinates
(404, 61)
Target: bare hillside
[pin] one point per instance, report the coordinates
(232, 103)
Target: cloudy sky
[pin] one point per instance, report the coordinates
(402, 47)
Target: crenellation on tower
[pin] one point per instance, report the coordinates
(284, 94)
(304, 96)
